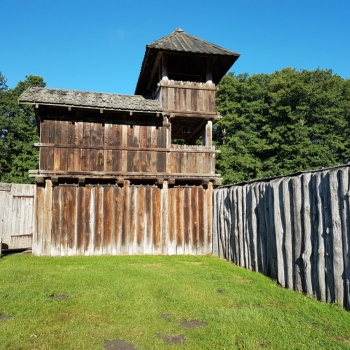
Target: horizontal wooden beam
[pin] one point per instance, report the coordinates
(188, 149)
(187, 86)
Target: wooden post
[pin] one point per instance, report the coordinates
(164, 67)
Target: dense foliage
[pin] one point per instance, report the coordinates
(281, 123)
(18, 132)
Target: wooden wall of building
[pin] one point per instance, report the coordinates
(128, 219)
(85, 147)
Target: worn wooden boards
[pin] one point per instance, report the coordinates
(186, 96)
(85, 147)
(16, 215)
(128, 219)
(295, 229)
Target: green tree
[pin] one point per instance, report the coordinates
(18, 132)
(281, 123)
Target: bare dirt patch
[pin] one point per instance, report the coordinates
(164, 315)
(172, 339)
(4, 317)
(343, 339)
(193, 324)
(59, 296)
(118, 344)
(220, 291)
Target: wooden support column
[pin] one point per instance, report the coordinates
(208, 134)
(209, 73)
(164, 67)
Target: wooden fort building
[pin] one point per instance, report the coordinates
(133, 174)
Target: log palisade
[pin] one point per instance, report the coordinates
(122, 174)
(294, 229)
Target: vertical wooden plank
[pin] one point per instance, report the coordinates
(156, 220)
(64, 221)
(50, 150)
(71, 139)
(148, 235)
(321, 264)
(336, 237)
(307, 237)
(57, 151)
(44, 138)
(85, 156)
(108, 219)
(165, 218)
(64, 142)
(108, 141)
(194, 219)
(71, 220)
(126, 217)
(180, 243)
(132, 220)
(40, 216)
(81, 223)
(78, 141)
(88, 226)
(187, 220)
(98, 229)
(46, 214)
(96, 153)
(141, 218)
(118, 219)
(172, 205)
(56, 222)
(344, 204)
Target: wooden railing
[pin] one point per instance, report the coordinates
(187, 97)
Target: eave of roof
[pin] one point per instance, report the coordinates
(89, 100)
(182, 43)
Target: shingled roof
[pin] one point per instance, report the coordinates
(83, 99)
(181, 43)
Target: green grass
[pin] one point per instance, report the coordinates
(123, 297)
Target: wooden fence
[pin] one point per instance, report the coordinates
(295, 229)
(16, 215)
(128, 219)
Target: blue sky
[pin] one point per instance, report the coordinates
(99, 45)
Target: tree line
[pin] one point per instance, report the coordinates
(280, 123)
(18, 132)
(273, 124)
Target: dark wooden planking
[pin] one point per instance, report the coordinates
(71, 220)
(85, 153)
(81, 219)
(156, 220)
(108, 219)
(71, 138)
(78, 141)
(64, 140)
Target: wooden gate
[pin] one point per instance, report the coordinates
(16, 215)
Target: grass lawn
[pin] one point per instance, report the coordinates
(157, 302)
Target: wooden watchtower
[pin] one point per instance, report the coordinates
(123, 174)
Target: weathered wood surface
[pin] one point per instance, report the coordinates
(16, 215)
(84, 146)
(128, 219)
(295, 229)
(186, 96)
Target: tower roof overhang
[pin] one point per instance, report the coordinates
(195, 52)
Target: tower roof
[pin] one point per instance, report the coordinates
(181, 43)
